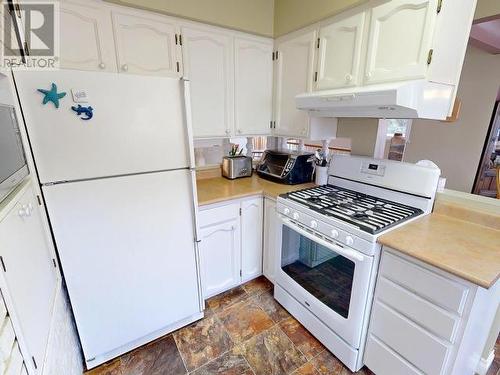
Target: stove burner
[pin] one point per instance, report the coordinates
(368, 213)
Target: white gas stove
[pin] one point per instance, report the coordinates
(328, 254)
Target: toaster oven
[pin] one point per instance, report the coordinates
(286, 167)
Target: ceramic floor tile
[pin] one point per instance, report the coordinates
(159, 357)
(258, 285)
(226, 299)
(245, 320)
(267, 302)
(202, 342)
(227, 364)
(327, 364)
(307, 369)
(271, 353)
(111, 368)
(303, 340)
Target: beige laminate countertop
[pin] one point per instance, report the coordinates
(462, 248)
(219, 189)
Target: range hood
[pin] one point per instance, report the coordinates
(408, 99)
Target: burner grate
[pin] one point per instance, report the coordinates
(368, 213)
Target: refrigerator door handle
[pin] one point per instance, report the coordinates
(189, 120)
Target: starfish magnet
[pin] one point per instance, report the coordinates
(52, 95)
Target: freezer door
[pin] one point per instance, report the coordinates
(127, 250)
(138, 124)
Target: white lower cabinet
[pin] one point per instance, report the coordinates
(270, 238)
(251, 239)
(230, 244)
(26, 251)
(425, 321)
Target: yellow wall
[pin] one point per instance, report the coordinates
(254, 16)
(361, 131)
(487, 8)
(456, 147)
(290, 15)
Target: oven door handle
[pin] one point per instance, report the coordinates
(348, 253)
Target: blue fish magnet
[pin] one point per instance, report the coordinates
(52, 95)
(87, 112)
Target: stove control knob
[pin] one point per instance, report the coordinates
(335, 233)
(314, 224)
(286, 211)
(349, 241)
(296, 216)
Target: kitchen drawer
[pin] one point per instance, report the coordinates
(382, 360)
(413, 343)
(214, 215)
(422, 312)
(429, 285)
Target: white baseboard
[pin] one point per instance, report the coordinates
(485, 363)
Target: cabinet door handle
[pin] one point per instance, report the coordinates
(348, 77)
(102, 65)
(125, 67)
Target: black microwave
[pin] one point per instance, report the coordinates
(286, 167)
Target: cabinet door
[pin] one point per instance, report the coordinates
(87, 41)
(270, 239)
(146, 45)
(253, 86)
(29, 273)
(400, 39)
(209, 65)
(340, 52)
(251, 239)
(293, 76)
(220, 249)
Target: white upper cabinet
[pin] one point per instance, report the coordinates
(253, 86)
(340, 47)
(293, 75)
(208, 64)
(86, 37)
(400, 40)
(146, 44)
(251, 238)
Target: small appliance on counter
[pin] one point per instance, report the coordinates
(286, 167)
(236, 166)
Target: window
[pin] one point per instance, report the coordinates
(402, 126)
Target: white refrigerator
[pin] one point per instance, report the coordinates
(120, 194)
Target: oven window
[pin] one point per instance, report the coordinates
(321, 271)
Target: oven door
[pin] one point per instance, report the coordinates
(330, 280)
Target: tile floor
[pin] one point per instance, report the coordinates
(495, 366)
(244, 332)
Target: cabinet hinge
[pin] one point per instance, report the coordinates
(439, 6)
(34, 362)
(3, 264)
(315, 76)
(178, 66)
(317, 43)
(241, 273)
(429, 56)
(240, 211)
(54, 262)
(274, 124)
(276, 55)
(272, 58)
(180, 39)
(270, 124)
(39, 200)
(176, 40)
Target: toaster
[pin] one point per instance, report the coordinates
(236, 166)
